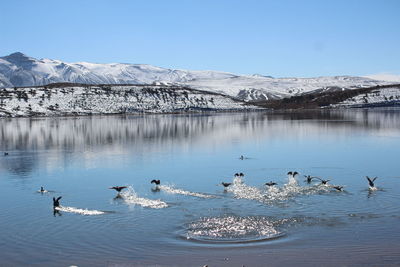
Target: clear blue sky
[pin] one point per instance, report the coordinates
(278, 38)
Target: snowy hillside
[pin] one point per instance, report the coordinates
(380, 97)
(58, 100)
(393, 78)
(18, 69)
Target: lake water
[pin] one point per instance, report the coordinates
(191, 220)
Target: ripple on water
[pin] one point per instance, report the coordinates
(233, 229)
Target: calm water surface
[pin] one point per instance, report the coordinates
(191, 220)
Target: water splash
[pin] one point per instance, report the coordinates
(130, 197)
(233, 229)
(79, 211)
(275, 194)
(172, 190)
(241, 190)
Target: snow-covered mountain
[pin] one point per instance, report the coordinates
(388, 77)
(18, 69)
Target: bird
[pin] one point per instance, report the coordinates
(241, 157)
(371, 182)
(226, 184)
(5, 153)
(338, 187)
(292, 174)
(42, 190)
(271, 183)
(309, 178)
(157, 182)
(56, 202)
(322, 180)
(118, 188)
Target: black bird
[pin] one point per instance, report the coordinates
(338, 187)
(309, 178)
(371, 181)
(323, 181)
(5, 153)
(271, 183)
(157, 182)
(56, 202)
(42, 190)
(241, 157)
(226, 184)
(118, 188)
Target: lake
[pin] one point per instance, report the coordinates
(190, 219)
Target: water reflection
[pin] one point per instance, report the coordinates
(61, 137)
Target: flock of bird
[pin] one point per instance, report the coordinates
(309, 179)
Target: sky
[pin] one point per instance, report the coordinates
(282, 38)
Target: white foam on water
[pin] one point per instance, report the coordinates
(172, 190)
(292, 180)
(275, 193)
(79, 211)
(131, 198)
(241, 190)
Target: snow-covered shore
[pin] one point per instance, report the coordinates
(59, 100)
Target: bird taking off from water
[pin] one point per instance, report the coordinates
(371, 182)
(271, 183)
(118, 188)
(226, 184)
(309, 178)
(338, 187)
(56, 202)
(156, 182)
(322, 180)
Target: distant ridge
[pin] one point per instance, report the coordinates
(18, 69)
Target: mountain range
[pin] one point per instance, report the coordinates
(20, 70)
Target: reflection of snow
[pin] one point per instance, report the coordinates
(58, 140)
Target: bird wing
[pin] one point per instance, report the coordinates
(59, 198)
